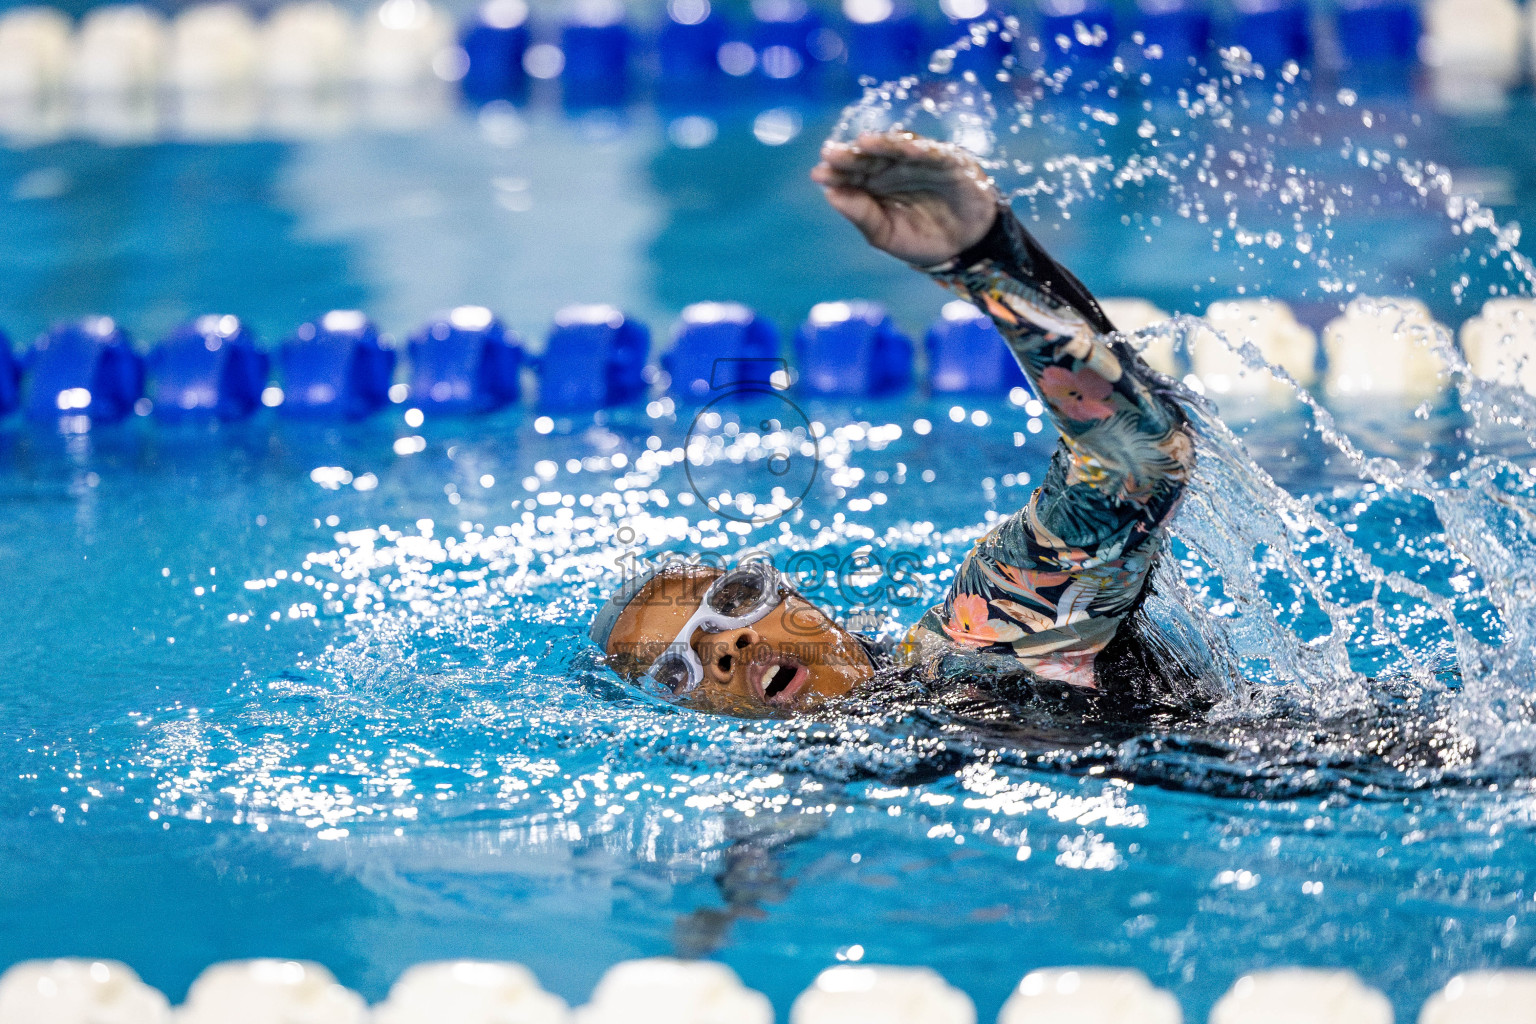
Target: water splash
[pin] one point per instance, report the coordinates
(1264, 165)
(460, 681)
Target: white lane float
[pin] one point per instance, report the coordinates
(1297, 995)
(1130, 315)
(1483, 997)
(1272, 328)
(1383, 347)
(307, 45)
(264, 991)
(872, 994)
(213, 46)
(34, 51)
(117, 118)
(78, 992)
(470, 992)
(662, 990)
(216, 114)
(1089, 995)
(404, 42)
(1500, 343)
(666, 991)
(118, 49)
(1530, 29)
(1473, 51)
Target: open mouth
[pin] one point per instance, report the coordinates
(778, 681)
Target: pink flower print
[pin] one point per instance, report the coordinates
(968, 623)
(1076, 394)
(1072, 667)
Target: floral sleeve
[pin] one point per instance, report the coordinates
(1051, 585)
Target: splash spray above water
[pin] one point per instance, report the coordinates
(1412, 574)
(1390, 596)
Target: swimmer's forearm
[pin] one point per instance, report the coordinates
(1053, 297)
(1049, 320)
(1122, 435)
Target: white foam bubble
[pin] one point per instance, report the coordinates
(1483, 997)
(78, 992)
(1272, 328)
(118, 49)
(1300, 996)
(34, 51)
(674, 992)
(872, 994)
(401, 40)
(1500, 342)
(1131, 315)
(213, 46)
(307, 45)
(1073, 995)
(1383, 346)
(470, 992)
(262, 991)
(1473, 50)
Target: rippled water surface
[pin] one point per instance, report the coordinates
(278, 689)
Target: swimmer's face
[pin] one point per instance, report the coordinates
(792, 658)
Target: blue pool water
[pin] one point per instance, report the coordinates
(275, 689)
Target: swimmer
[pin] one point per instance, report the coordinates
(1055, 592)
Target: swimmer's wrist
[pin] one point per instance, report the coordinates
(994, 244)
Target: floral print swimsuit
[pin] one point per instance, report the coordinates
(1049, 587)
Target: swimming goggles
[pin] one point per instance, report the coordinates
(739, 598)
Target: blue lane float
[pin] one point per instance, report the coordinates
(1177, 31)
(790, 40)
(10, 378)
(85, 368)
(595, 359)
(688, 45)
(719, 347)
(334, 368)
(207, 368)
(1377, 31)
(495, 40)
(465, 361)
(1272, 31)
(596, 43)
(852, 349)
(967, 355)
(1077, 32)
(885, 39)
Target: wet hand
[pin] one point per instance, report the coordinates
(919, 200)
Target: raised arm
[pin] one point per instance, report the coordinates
(1123, 443)
(1052, 584)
